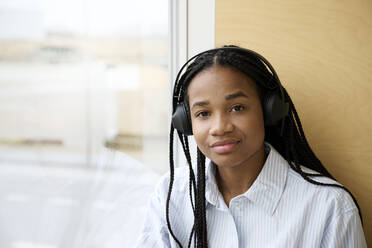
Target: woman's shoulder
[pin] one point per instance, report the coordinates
(323, 189)
(180, 181)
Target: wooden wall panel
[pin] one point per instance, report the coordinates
(322, 52)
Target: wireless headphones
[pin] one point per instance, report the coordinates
(273, 103)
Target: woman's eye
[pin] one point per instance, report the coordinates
(202, 114)
(237, 108)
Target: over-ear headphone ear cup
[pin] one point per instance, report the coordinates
(181, 119)
(274, 109)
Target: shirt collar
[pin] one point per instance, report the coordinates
(265, 191)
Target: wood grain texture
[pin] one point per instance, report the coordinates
(322, 52)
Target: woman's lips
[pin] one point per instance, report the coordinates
(224, 146)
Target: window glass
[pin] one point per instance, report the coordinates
(84, 103)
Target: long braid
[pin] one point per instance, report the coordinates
(186, 150)
(198, 204)
(307, 151)
(171, 178)
(192, 183)
(192, 175)
(185, 146)
(201, 214)
(309, 158)
(201, 159)
(304, 175)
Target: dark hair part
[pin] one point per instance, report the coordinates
(292, 144)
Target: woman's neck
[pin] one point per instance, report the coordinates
(233, 181)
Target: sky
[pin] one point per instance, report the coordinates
(32, 18)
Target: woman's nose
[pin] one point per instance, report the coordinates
(220, 125)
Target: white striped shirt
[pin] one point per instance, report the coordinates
(280, 209)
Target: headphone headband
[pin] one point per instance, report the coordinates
(257, 55)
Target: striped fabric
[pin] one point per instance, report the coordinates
(280, 209)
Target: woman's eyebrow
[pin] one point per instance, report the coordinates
(235, 95)
(200, 104)
(228, 97)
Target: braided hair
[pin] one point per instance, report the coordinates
(286, 137)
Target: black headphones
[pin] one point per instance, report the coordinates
(273, 104)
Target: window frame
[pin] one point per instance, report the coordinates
(188, 21)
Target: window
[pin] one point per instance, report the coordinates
(84, 105)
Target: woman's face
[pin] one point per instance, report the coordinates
(226, 116)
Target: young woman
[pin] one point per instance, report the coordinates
(263, 186)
